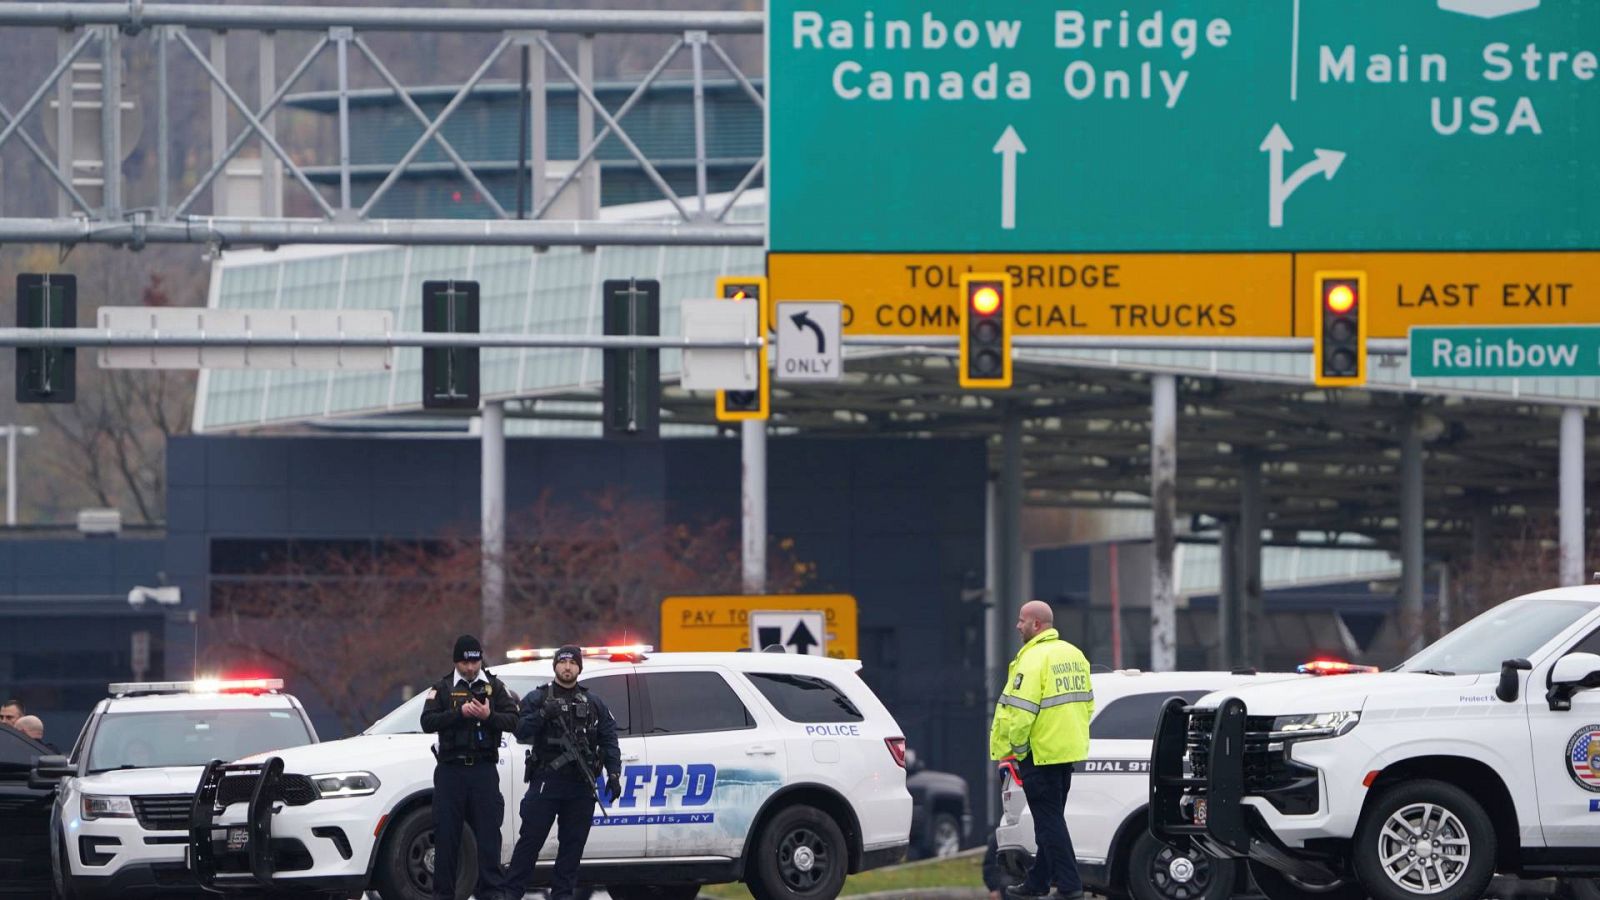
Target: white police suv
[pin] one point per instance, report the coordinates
(781, 771)
(1107, 808)
(120, 822)
(1481, 754)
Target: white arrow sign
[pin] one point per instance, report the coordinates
(1008, 146)
(808, 340)
(1277, 144)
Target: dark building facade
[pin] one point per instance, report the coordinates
(898, 524)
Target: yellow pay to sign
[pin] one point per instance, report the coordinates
(1126, 294)
(721, 622)
(1411, 289)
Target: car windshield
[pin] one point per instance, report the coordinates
(1513, 630)
(407, 717)
(138, 740)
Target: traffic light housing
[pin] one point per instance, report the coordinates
(631, 389)
(47, 374)
(450, 374)
(985, 360)
(736, 406)
(1339, 339)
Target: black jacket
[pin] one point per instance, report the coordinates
(535, 729)
(462, 736)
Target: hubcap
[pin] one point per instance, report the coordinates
(1179, 875)
(804, 858)
(803, 861)
(1424, 848)
(1181, 870)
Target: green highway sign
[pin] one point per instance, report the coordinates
(1533, 351)
(1183, 125)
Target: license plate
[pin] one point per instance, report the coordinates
(1200, 811)
(238, 838)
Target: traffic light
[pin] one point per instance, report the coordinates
(1339, 341)
(985, 332)
(734, 406)
(631, 388)
(450, 374)
(47, 374)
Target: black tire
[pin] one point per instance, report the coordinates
(61, 872)
(800, 855)
(1158, 871)
(1275, 885)
(944, 841)
(1440, 812)
(653, 891)
(404, 869)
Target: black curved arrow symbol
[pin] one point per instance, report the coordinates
(803, 320)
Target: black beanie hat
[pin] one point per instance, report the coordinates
(569, 651)
(468, 649)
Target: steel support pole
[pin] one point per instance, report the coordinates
(493, 437)
(163, 128)
(1229, 612)
(697, 41)
(1010, 531)
(65, 158)
(589, 178)
(271, 166)
(753, 504)
(1572, 518)
(1164, 509)
(1411, 524)
(11, 474)
(993, 631)
(1252, 513)
(111, 123)
(219, 124)
(341, 42)
(539, 118)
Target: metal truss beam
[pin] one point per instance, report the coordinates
(138, 232)
(135, 15)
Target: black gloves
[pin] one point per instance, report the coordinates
(613, 787)
(552, 706)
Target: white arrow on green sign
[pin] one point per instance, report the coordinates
(1520, 351)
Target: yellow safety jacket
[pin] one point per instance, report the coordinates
(1045, 708)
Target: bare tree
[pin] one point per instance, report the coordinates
(589, 575)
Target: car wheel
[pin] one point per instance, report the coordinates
(60, 874)
(1159, 871)
(946, 836)
(1275, 885)
(1015, 863)
(405, 865)
(800, 855)
(1424, 839)
(653, 891)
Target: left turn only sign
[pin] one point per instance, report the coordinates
(808, 340)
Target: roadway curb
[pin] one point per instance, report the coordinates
(924, 894)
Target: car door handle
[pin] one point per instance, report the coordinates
(760, 750)
(630, 757)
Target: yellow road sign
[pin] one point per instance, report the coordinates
(1406, 289)
(722, 622)
(1131, 294)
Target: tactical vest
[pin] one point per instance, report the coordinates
(469, 737)
(582, 717)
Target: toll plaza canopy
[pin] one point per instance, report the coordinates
(1329, 458)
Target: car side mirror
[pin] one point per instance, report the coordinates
(1510, 686)
(1572, 673)
(48, 771)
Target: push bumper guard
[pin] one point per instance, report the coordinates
(1205, 804)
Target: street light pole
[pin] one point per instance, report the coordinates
(11, 466)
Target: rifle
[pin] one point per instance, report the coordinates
(569, 743)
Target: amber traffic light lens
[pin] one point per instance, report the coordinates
(985, 301)
(1341, 299)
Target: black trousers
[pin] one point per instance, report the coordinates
(551, 800)
(461, 795)
(1054, 864)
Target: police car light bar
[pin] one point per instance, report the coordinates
(201, 686)
(623, 652)
(1333, 667)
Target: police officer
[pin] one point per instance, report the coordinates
(468, 709)
(1042, 719)
(570, 730)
